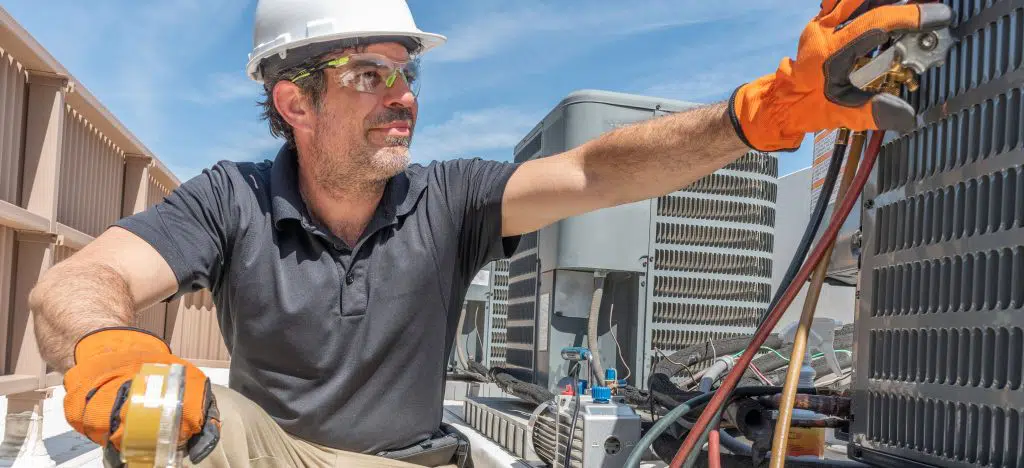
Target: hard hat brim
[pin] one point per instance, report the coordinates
(427, 40)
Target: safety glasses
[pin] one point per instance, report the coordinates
(368, 72)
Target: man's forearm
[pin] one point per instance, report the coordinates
(73, 299)
(660, 156)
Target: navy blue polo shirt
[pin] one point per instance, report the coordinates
(344, 346)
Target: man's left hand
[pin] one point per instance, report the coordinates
(813, 92)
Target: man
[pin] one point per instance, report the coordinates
(338, 270)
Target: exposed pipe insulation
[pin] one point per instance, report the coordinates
(706, 351)
(721, 365)
(460, 347)
(526, 391)
(600, 279)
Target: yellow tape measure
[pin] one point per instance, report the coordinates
(153, 419)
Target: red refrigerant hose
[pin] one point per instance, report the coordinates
(714, 450)
(827, 238)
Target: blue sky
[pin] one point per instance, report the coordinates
(173, 70)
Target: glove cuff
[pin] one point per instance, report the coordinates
(118, 339)
(735, 118)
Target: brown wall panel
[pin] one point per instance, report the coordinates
(156, 192)
(12, 125)
(196, 332)
(92, 169)
(7, 277)
(152, 318)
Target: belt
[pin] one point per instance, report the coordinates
(447, 446)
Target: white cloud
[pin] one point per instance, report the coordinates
(700, 87)
(712, 69)
(465, 133)
(226, 87)
(494, 30)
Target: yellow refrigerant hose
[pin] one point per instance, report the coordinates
(781, 436)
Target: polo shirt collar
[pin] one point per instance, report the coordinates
(400, 194)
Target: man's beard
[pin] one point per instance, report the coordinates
(365, 166)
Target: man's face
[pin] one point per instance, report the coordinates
(360, 135)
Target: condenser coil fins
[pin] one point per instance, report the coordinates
(940, 323)
(712, 254)
(498, 312)
(522, 303)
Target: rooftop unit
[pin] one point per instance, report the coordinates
(672, 271)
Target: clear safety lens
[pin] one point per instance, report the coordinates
(371, 73)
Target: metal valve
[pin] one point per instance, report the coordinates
(899, 65)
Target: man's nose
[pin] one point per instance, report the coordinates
(399, 95)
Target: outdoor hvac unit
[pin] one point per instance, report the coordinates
(497, 313)
(471, 342)
(692, 265)
(481, 332)
(940, 324)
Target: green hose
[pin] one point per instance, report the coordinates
(661, 426)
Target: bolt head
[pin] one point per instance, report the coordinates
(928, 41)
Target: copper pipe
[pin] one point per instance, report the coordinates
(780, 440)
(830, 405)
(826, 422)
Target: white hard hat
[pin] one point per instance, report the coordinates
(318, 26)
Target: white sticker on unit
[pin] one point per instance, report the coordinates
(483, 278)
(542, 321)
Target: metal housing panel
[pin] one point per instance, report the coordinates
(940, 330)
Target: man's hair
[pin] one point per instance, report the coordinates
(312, 86)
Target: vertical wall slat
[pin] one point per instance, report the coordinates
(6, 278)
(7, 122)
(12, 111)
(92, 171)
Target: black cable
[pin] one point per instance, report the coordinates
(812, 228)
(523, 390)
(694, 354)
(575, 414)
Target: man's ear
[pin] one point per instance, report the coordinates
(294, 107)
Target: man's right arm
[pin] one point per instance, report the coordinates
(178, 245)
(86, 306)
(103, 285)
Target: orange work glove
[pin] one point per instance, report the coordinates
(813, 92)
(97, 389)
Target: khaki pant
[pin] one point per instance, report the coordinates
(250, 438)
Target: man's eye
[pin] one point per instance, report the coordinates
(370, 77)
